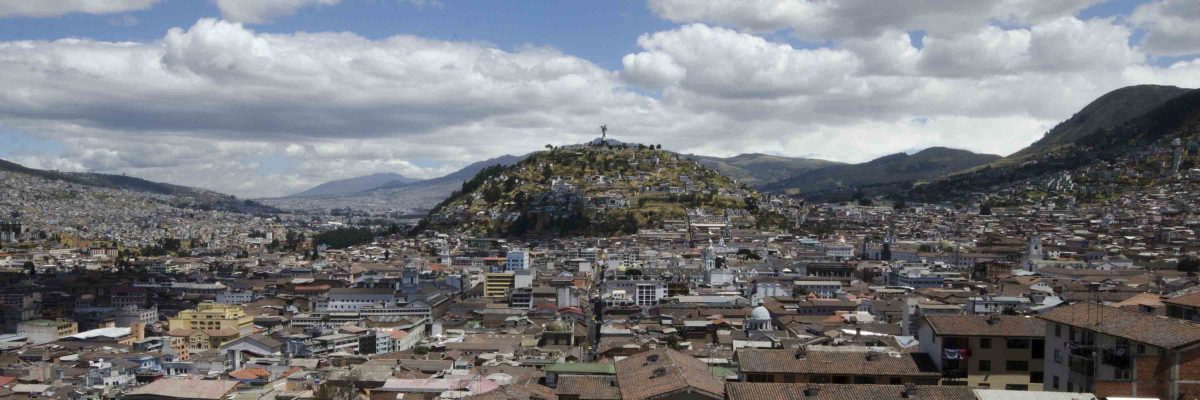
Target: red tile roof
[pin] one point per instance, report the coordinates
(983, 325)
(1168, 333)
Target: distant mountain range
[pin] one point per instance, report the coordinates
(761, 169)
(931, 162)
(355, 185)
(182, 196)
(1114, 123)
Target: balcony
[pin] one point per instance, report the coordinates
(956, 373)
(1082, 365)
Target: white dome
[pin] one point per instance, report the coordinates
(760, 313)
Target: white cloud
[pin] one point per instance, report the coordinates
(261, 11)
(1172, 26)
(264, 114)
(726, 63)
(820, 20)
(54, 8)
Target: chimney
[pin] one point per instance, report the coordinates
(872, 355)
(909, 391)
(993, 319)
(812, 391)
(801, 352)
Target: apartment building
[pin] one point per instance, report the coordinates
(987, 352)
(1116, 352)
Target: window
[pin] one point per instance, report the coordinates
(1018, 343)
(1058, 356)
(864, 380)
(1016, 387)
(1039, 349)
(1141, 348)
(985, 385)
(985, 365)
(1055, 385)
(895, 381)
(1057, 330)
(1020, 366)
(985, 343)
(1037, 377)
(1123, 374)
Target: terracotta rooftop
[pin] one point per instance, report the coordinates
(983, 325)
(806, 391)
(663, 371)
(836, 363)
(1188, 300)
(588, 387)
(1139, 327)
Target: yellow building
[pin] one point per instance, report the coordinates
(986, 352)
(496, 284)
(219, 322)
(45, 331)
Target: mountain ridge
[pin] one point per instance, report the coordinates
(897, 167)
(184, 196)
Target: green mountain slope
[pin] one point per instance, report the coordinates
(900, 167)
(1106, 112)
(761, 169)
(589, 190)
(1176, 118)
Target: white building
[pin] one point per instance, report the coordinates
(516, 260)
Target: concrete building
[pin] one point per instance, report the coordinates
(224, 320)
(989, 352)
(516, 260)
(1115, 352)
(42, 331)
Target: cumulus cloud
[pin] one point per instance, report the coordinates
(824, 19)
(749, 66)
(1172, 26)
(260, 11)
(219, 105)
(54, 8)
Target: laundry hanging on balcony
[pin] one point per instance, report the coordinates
(957, 354)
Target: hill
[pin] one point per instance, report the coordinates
(1123, 144)
(1107, 111)
(354, 185)
(591, 190)
(761, 169)
(180, 196)
(899, 167)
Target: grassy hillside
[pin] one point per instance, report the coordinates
(900, 167)
(587, 190)
(1106, 112)
(1178, 117)
(761, 169)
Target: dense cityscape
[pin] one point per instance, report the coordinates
(598, 262)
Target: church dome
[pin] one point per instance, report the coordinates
(760, 313)
(558, 325)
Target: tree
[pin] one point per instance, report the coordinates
(985, 210)
(1188, 264)
(30, 269)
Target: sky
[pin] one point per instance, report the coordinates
(269, 97)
